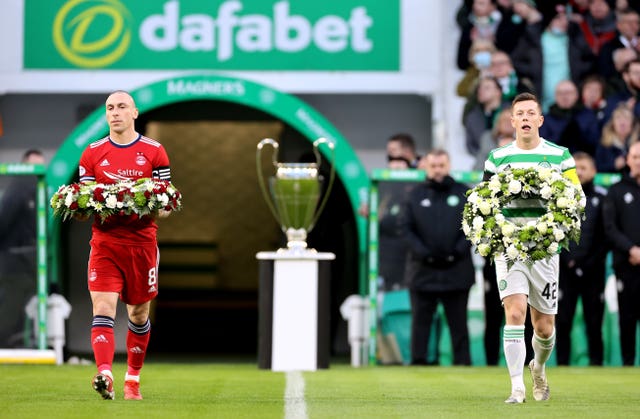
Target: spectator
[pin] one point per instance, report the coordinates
(618, 133)
(599, 25)
(502, 69)
(584, 131)
(480, 58)
(393, 248)
(480, 117)
(548, 54)
(401, 154)
(622, 226)
(616, 83)
(561, 113)
(527, 11)
(401, 147)
(439, 267)
(577, 10)
(481, 23)
(631, 92)
(627, 28)
(509, 28)
(18, 265)
(592, 95)
(501, 133)
(582, 271)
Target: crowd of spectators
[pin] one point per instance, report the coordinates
(580, 57)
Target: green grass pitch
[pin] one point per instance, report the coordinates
(241, 390)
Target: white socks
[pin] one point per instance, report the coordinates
(542, 349)
(515, 352)
(135, 378)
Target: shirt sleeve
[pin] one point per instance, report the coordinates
(161, 168)
(85, 168)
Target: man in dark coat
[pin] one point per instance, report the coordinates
(622, 226)
(439, 267)
(582, 271)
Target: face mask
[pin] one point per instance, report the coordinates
(482, 59)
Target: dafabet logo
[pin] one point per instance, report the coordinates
(231, 34)
(92, 33)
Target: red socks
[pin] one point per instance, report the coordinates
(103, 342)
(137, 342)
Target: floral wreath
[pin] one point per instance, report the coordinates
(139, 197)
(492, 233)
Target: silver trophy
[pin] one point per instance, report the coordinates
(295, 192)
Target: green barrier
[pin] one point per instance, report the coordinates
(38, 170)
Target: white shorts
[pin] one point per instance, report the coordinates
(539, 282)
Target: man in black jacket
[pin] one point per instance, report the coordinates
(622, 225)
(439, 267)
(582, 271)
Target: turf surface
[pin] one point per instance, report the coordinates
(241, 390)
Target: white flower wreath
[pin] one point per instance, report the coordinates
(492, 233)
(139, 197)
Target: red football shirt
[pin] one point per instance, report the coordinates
(104, 161)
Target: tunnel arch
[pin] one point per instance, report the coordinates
(283, 106)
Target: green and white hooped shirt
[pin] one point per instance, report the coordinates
(546, 154)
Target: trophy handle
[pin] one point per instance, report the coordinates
(274, 159)
(316, 151)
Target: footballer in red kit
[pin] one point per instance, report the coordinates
(123, 262)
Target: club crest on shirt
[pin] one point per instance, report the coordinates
(425, 202)
(628, 198)
(453, 200)
(141, 159)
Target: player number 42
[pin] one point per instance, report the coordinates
(549, 291)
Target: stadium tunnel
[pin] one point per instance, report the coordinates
(210, 126)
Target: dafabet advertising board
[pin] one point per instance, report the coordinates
(291, 35)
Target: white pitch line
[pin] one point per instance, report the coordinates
(294, 405)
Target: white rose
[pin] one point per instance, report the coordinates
(515, 187)
(494, 185)
(558, 234)
(68, 200)
(499, 218)
(545, 174)
(472, 198)
(562, 202)
(512, 252)
(466, 229)
(508, 229)
(553, 248)
(484, 249)
(163, 199)
(478, 223)
(545, 192)
(111, 201)
(484, 207)
(542, 228)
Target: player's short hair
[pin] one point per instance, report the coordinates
(406, 140)
(524, 96)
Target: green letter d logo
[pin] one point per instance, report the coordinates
(92, 33)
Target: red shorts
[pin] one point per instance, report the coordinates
(128, 269)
